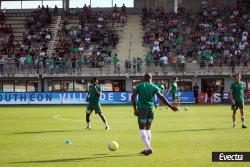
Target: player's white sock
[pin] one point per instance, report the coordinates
(145, 139)
(148, 133)
(88, 124)
(243, 119)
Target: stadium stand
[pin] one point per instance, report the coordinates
(124, 43)
(212, 37)
(64, 43)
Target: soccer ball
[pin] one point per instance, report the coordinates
(113, 146)
(185, 108)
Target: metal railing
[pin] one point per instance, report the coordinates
(95, 67)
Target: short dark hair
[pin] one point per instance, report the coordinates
(175, 78)
(147, 76)
(94, 79)
(237, 74)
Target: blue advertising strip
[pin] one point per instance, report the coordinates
(78, 98)
(185, 97)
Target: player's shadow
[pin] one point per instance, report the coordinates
(50, 131)
(188, 130)
(96, 156)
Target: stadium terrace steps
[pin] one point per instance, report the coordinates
(18, 26)
(131, 39)
(54, 28)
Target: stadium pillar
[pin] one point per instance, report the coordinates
(147, 4)
(40, 83)
(46, 87)
(129, 84)
(175, 6)
(65, 5)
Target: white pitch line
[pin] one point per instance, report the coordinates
(66, 119)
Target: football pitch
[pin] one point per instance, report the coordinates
(34, 136)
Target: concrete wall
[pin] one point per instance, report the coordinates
(129, 84)
(227, 83)
(166, 5)
(192, 5)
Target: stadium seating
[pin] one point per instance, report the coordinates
(81, 40)
(212, 38)
(62, 43)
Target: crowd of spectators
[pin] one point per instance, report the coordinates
(5, 29)
(2, 15)
(210, 36)
(5, 34)
(89, 43)
(86, 14)
(135, 65)
(31, 52)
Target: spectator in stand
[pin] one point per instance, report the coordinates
(2, 14)
(115, 61)
(2, 63)
(55, 10)
(149, 59)
(139, 64)
(134, 64)
(22, 62)
(127, 65)
(196, 93)
(210, 62)
(182, 61)
(124, 9)
(164, 60)
(209, 94)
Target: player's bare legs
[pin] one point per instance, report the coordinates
(242, 118)
(88, 119)
(176, 102)
(104, 120)
(233, 117)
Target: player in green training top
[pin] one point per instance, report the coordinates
(175, 92)
(93, 98)
(162, 88)
(237, 98)
(143, 109)
(162, 91)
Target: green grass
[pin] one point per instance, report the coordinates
(30, 136)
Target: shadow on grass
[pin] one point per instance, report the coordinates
(52, 131)
(100, 156)
(190, 130)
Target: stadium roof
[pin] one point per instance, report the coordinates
(25, 4)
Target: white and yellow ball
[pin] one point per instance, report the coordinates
(113, 146)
